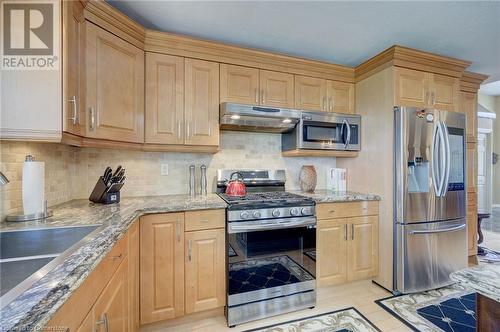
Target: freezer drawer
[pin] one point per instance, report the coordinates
(427, 253)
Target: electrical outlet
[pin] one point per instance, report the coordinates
(164, 169)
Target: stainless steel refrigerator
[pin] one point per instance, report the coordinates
(430, 236)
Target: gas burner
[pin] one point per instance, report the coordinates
(263, 197)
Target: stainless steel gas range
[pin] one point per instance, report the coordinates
(271, 248)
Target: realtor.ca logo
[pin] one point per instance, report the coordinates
(30, 35)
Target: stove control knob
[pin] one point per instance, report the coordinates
(244, 215)
(305, 211)
(294, 211)
(276, 213)
(256, 214)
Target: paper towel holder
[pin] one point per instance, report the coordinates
(29, 217)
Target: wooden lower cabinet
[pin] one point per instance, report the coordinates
(331, 238)
(133, 276)
(161, 267)
(181, 271)
(111, 311)
(205, 270)
(347, 248)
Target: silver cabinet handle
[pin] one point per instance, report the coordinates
(444, 230)
(263, 97)
(92, 119)
(323, 107)
(345, 232)
(352, 231)
(116, 257)
(103, 321)
(178, 230)
(256, 95)
(330, 103)
(74, 118)
(179, 129)
(433, 98)
(190, 250)
(187, 129)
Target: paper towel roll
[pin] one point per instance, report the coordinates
(33, 184)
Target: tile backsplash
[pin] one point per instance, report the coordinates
(72, 172)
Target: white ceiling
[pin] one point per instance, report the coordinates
(346, 33)
(491, 89)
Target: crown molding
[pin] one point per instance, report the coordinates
(470, 81)
(406, 57)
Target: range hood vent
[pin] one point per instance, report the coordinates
(243, 117)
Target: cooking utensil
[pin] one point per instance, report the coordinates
(236, 187)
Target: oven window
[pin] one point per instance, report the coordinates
(271, 258)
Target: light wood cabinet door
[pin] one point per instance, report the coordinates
(469, 108)
(310, 93)
(362, 248)
(340, 97)
(472, 235)
(161, 267)
(201, 102)
(133, 275)
(88, 323)
(111, 310)
(239, 84)
(277, 89)
(164, 99)
(331, 246)
(115, 87)
(471, 167)
(73, 67)
(445, 92)
(411, 87)
(205, 270)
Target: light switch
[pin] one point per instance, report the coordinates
(164, 169)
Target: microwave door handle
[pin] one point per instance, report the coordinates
(447, 154)
(435, 159)
(345, 124)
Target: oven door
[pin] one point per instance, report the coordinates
(270, 259)
(337, 135)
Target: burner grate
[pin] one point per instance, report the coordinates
(264, 197)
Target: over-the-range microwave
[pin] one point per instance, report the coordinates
(324, 131)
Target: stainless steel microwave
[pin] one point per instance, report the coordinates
(324, 131)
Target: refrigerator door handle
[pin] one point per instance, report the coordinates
(447, 153)
(436, 177)
(433, 231)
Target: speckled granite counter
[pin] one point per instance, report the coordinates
(34, 308)
(325, 196)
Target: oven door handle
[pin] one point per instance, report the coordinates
(254, 226)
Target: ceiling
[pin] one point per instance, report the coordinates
(345, 33)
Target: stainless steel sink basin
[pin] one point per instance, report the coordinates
(27, 255)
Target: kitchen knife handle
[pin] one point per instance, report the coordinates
(74, 118)
(189, 250)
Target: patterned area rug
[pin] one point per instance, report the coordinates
(488, 256)
(449, 308)
(345, 320)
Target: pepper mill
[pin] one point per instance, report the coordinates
(192, 191)
(203, 180)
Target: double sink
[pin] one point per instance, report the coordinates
(28, 255)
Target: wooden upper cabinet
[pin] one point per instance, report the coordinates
(201, 102)
(276, 89)
(115, 87)
(239, 84)
(73, 67)
(468, 103)
(340, 97)
(426, 90)
(164, 99)
(111, 310)
(411, 87)
(362, 248)
(205, 270)
(310, 93)
(331, 267)
(445, 92)
(162, 267)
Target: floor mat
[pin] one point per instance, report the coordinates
(345, 320)
(449, 308)
(488, 256)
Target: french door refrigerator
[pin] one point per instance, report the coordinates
(430, 236)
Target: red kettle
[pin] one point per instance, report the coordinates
(236, 187)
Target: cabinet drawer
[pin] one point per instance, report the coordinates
(348, 209)
(204, 219)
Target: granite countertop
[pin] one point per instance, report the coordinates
(326, 196)
(33, 309)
